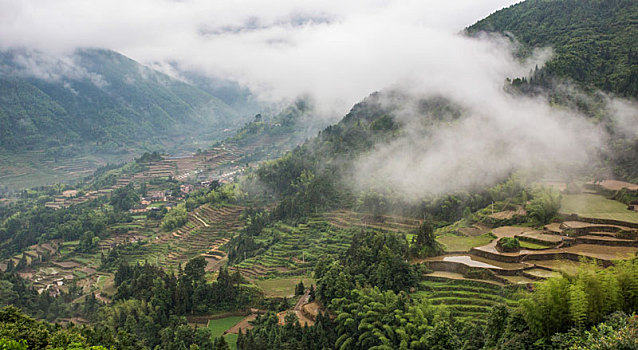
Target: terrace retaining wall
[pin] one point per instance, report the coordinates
(575, 217)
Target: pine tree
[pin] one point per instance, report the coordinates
(220, 344)
(300, 289)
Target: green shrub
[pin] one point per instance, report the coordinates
(508, 244)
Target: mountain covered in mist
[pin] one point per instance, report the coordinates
(593, 41)
(593, 44)
(99, 101)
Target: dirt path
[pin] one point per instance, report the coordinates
(298, 311)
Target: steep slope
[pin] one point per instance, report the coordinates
(594, 41)
(97, 103)
(98, 96)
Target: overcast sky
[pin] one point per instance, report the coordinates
(336, 51)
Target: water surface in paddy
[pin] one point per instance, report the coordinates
(467, 260)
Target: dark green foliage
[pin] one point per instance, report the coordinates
(544, 206)
(496, 323)
(88, 242)
(508, 244)
(17, 292)
(147, 157)
(593, 40)
(373, 259)
(29, 226)
(370, 318)
(424, 242)
(124, 198)
(186, 293)
(220, 344)
(19, 331)
(626, 196)
(617, 332)
(175, 218)
(267, 334)
(299, 288)
(379, 259)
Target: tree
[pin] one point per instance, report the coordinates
(312, 293)
(195, 269)
(425, 243)
(220, 344)
(544, 206)
(124, 198)
(299, 288)
(88, 242)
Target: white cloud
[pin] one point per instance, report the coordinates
(336, 51)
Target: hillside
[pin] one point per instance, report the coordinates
(594, 41)
(98, 102)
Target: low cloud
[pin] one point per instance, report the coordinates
(337, 53)
(489, 141)
(48, 67)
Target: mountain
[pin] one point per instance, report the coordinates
(594, 41)
(99, 102)
(98, 97)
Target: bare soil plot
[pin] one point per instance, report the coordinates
(475, 230)
(508, 214)
(511, 231)
(312, 309)
(602, 252)
(616, 185)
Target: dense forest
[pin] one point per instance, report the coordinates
(593, 40)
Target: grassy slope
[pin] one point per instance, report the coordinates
(596, 206)
(282, 287)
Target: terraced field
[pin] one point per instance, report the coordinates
(295, 249)
(597, 206)
(466, 298)
(348, 219)
(207, 229)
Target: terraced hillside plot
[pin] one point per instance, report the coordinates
(207, 229)
(467, 298)
(567, 266)
(597, 206)
(349, 219)
(457, 243)
(282, 287)
(293, 250)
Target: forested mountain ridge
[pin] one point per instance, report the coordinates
(593, 41)
(98, 97)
